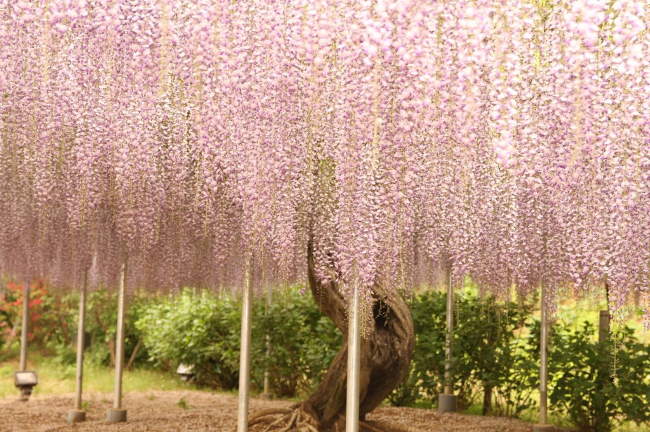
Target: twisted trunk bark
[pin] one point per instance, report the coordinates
(387, 348)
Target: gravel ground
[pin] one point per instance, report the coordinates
(202, 411)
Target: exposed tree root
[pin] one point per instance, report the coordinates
(283, 420)
(261, 416)
(298, 420)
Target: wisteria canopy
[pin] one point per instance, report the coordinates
(504, 140)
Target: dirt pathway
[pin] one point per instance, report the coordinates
(201, 411)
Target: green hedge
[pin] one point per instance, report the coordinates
(204, 330)
(302, 344)
(496, 351)
(597, 386)
(200, 330)
(490, 365)
(55, 330)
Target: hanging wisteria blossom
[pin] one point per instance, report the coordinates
(341, 143)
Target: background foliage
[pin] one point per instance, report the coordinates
(596, 386)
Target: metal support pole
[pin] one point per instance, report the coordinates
(267, 376)
(117, 414)
(354, 364)
(77, 414)
(543, 425)
(603, 325)
(119, 342)
(543, 369)
(24, 328)
(447, 402)
(449, 335)
(603, 371)
(25, 380)
(245, 354)
(81, 328)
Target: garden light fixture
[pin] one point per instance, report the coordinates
(25, 381)
(185, 372)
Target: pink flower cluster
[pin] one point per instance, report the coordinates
(508, 141)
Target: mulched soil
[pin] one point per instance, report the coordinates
(202, 411)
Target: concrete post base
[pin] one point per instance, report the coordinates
(544, 428)
(25, 393)
(116, 415)
(76, 416)
(446, 403)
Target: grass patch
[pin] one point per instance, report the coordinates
(182, 403)
(54, 378)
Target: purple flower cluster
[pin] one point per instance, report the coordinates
(508, 141)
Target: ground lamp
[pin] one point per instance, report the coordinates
(185, 372)
(25, 382)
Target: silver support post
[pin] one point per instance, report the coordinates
(603, 325)
(449, 335)
(25, 380)
(447, 401)
(117, 414)
(543, 369)
(119, 341)
(81, 328)
(354, 364)
(78, 415)
(245, 354)
(24, 328)
(543, 425)
(267, 377)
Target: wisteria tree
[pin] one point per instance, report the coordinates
(340, 143)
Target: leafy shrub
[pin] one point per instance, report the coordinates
(199, 330)
(487, 353)
(7, 331)
(11, 309)
(47, 317)
(599, 385)
(486, 339)
(100, 328)
(408, 393)
(53, 319)
(302, 341)
(204, 331)
(496, 349)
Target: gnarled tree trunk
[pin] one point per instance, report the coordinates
(386, 350)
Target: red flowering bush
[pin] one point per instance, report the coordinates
(45, 321)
